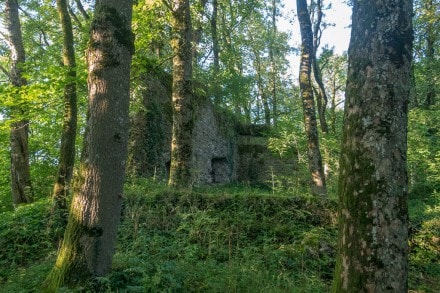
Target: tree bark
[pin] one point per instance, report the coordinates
(430, 58)
(321, 97)
(216, 53)
(318, 184)
(373, 216)
(273, 66)
(333, 105)
(88, 244)
(21, 187)
(68, 136)
(183, 121)
(260, 83)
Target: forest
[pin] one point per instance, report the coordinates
(219, 146)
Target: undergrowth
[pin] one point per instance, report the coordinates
(223, 239)
(201, 242)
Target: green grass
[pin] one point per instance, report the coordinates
(223, 239)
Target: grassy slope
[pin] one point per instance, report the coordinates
(213, 240)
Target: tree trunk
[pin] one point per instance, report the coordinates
(67, 150)
(273, 65)
(216, 54)
(21, 187)
(321, 97)
(89, 240)
(373, 216)
(183, 121)
(414, 100)
(318, 185)
(260, 83)
(333, 106)
(430, 58)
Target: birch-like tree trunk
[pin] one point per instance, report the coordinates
(318, 184)
(89, 240)
(21, 187)
(273, 65)
(373, 216)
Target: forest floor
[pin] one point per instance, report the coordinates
(213, 239)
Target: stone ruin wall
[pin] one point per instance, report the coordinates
(224, 151)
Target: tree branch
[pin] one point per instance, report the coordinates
(82, 10)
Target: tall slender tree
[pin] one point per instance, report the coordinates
(431, 35)
(183, 120)
(318, 184)
(261, 86)
(21, 186)
(273, 65)
(373, 216)
(335, 73)
(89, 239)
(215, 52)
(321, 95)
(67, 150)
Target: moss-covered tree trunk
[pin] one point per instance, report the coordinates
(68, 135)
(318, 185)
(183, 120)
(89, 240)
(373, 217)
(21, 187)
(321, 97)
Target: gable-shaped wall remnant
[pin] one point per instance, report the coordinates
(224, 150)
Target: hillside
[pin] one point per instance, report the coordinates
(224, 239)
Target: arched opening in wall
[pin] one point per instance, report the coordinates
(220, 170)
(168, 168)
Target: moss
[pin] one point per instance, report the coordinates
(123, 34)
(70, 266)
(110, 24)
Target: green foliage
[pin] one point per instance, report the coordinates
(27, 279)
(23, 237)
(288, 140)
(41, 98)
(219, 239)
(5, 188)
(424, 151)
(425, 243)
(216, 239)
(223, 240)
(426, 43)
(424, 199)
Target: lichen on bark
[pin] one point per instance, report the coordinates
(317, 182)
(373, 217)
